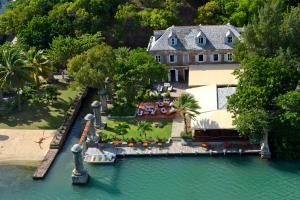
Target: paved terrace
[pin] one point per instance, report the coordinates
(176, 148)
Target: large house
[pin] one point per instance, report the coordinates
(198, 55)
(202, 56)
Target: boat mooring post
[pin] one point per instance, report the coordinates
(79, 174)
(96, 106)
(91, 135)
(265, 152)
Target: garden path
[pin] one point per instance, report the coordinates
(177, 127)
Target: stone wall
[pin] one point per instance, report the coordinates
(63, 131)
(192, 53)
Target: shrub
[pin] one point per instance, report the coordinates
(186, 135)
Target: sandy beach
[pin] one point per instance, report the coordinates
(18, 146)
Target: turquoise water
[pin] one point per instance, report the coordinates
(176, 178)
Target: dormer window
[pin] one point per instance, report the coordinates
(201, 39)
(173, 42)
(229, 37)
(172, 39)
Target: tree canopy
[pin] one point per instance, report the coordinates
(268, 77)
(91, 67)
(38, 22)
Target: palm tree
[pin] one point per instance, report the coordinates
(122, 129)
(13, 72)
(144, 127)
(40, 63)
(187, 106)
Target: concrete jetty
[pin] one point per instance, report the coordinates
(174, 148)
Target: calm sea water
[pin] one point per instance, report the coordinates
(174, 178)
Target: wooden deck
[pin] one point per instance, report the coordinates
(176, 148)
(42, 169)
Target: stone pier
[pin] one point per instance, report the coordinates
(91, 135)
(265, 152)
(79, 173)
(96, 106)
(103, 95)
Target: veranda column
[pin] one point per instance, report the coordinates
(79, 173)
(169, 76)
(176, 75)
(96, 105)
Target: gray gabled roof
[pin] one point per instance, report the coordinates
(186, 35)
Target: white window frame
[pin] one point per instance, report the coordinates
(213, 57)
(229, 42)
(199, 40)
(227, 57)
(158, 58)
(175, 58)
(200, 61)
(173, 41)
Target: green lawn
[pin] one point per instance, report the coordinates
(162, 133)
(41, 116)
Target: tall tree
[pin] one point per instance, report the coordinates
(262, 36)
(14, 73)
(290, 29)
(91, 68)
(136, 73)
(268, 71)
(63, 48)
(188, 107)
(210, 13)
(40, 64)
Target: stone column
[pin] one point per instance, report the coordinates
(91, 135)
(176, 75)
(265, 152)
(96, 105)
(103, 100)
(79, 174)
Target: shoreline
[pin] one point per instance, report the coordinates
(27, 163)
(24, 146)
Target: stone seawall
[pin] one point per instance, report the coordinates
(61, 135)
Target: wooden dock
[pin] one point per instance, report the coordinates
(176, 148)
(42, 169)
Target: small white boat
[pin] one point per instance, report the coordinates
(95, 155)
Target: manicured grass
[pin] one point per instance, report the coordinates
(41, 116)
(162, 133)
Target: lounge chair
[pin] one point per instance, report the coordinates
(140, 112)
(154, 111)
(167, 84)
(160, 88)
